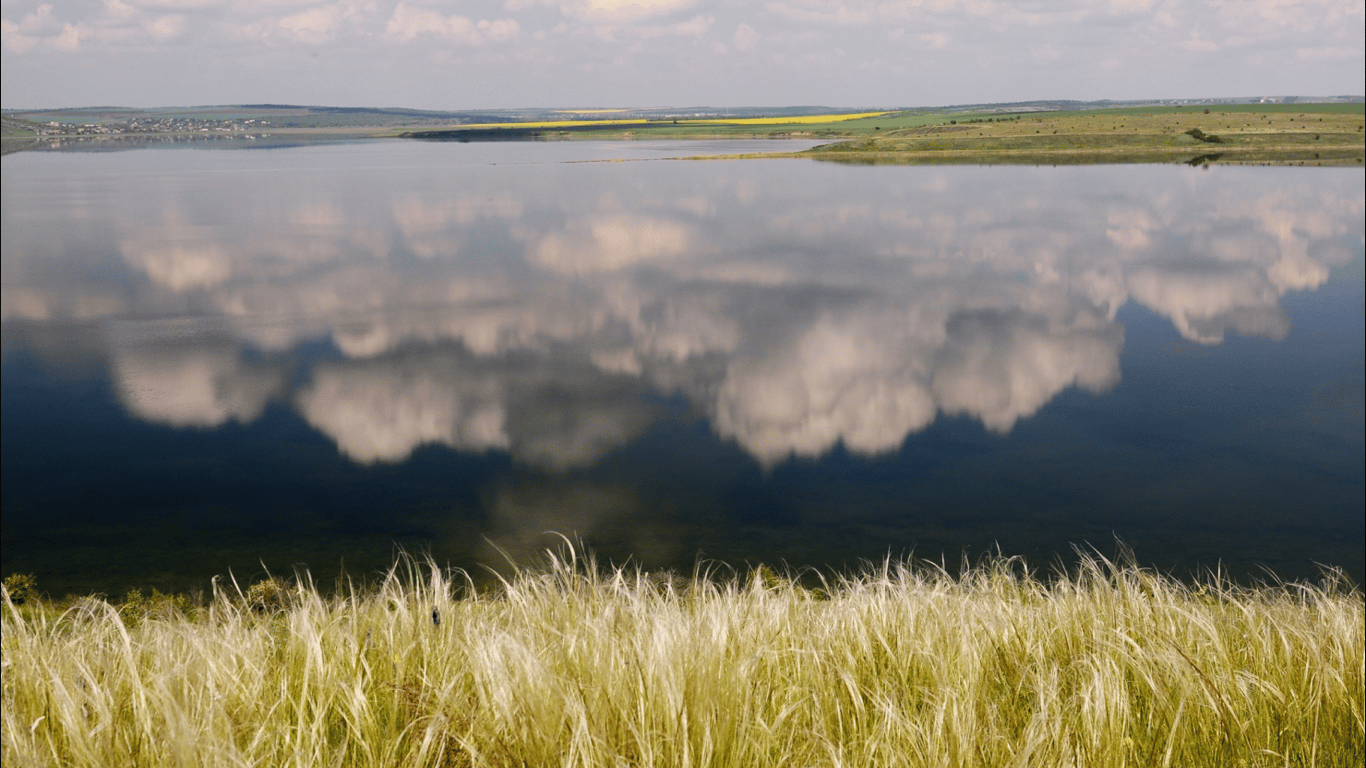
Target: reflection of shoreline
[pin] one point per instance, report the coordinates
(273, 139)
(1296, 155)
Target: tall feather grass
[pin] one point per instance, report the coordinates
(574, 664)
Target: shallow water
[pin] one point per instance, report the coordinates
(311, 355)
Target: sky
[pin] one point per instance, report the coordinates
(486, 54)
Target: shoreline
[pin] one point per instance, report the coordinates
(1231, 136)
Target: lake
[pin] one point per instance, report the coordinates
(241, 359)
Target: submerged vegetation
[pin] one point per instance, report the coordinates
(577, 665)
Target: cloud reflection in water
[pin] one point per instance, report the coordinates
(797, 306)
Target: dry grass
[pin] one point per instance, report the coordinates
(574, 665)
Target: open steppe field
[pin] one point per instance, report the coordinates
(572, 664)
(1328, 134)
(1344, 108)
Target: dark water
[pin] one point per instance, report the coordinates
(219, 359)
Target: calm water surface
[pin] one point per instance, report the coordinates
(223, 359)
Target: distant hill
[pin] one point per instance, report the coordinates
(259, 121)
(310, 116)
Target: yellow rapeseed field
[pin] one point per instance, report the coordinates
(802, 120)
(555, 124)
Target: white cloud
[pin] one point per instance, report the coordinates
(697, 25)
(190, 386)
(1204, 303)
(482, 313)
(427, 225)
(410, 21)
(857, 378)
(15, 40)
(117, 9)
(180, 265)
(69, 40)
(820, 13)
(164, 28)
(1001, 367)
(219, 5)
(382, 411)
(618, 12)
(40, 27)
(935, 40)
(607, 242)
(314, 25)
(41, 23)
(916, 52)
(744, 37)
(1199, 45)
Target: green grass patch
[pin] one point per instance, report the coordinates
(1281, 136)
(573, 664)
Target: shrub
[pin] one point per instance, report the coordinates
(269, 595)
(137, 606)
(21, 588)
(1200, 135)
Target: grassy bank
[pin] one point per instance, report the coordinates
(579, 666)
(1270, 135)
(1277, 134)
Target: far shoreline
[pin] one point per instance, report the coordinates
(1230, 134)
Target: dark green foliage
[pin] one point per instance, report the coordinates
(137, 606)
(21, 588)
(1196, 133)
(270, 595)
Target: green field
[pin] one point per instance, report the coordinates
(576, 665)
(1295, 133)
(1299, 134)
(1328, 134)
